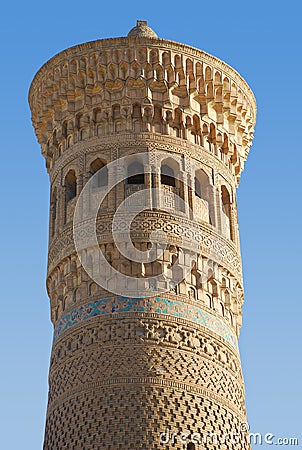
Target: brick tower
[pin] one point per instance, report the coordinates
(129, 370)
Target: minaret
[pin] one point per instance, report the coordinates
(144, 141)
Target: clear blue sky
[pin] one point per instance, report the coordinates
(262, 40)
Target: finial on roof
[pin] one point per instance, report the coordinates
(142, 30)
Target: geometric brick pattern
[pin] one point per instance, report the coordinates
(204, 364)
(106, 417)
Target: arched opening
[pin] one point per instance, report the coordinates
(82, 124)
(191, 83)
(188, 122)
(189, 66)
(159, 73)
(100, 177)
(208, 74)
(212, 292)
(227, 298)
(69, 141)
(117, 118)
(217, 78)
(170, 74)
(157, 119)
(202, 203)
(54, 139)
(198, 70)
(173, 188)
(70, 186)
(209, 300)
(212, 137)
(116, 111)
(177, 123)
(64, 129)
(226, 84)
(137, 117)
(192, 293)
(177, 61)
(225, 144)
(135, 173)
(53, 212)
(123, 72)
(135, 70)
(167, 176)
(226, 212)
(92, 289)
(224, 283)
(136, 111)
(153, 57)
(142, 55)
(165, 58)
(196, 130)
(148, 71)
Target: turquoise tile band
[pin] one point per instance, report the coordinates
(153, 305)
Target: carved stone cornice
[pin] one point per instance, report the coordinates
(196, 94)
(123, 42)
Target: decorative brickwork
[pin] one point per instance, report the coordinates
(152, 305)
(127, 368)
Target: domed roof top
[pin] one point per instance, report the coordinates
(142, 30)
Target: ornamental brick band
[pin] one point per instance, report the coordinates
(152, 305)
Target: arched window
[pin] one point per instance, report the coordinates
(100, 177)
(212, 287)
(54, 138)
(157, 119)
(212, 137)
(116, 112)
(136, 111)
(202, 207)
(177, 124)
(192, 293)
(53, 211)
(137, 117)
(196, 130)
(135, 173)
(97, 115)
(227, 298)
(167, 175)
(69, 141)
(70, 186)
(64, 129)
(226, 212)
(225, 196)
(202, 184)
